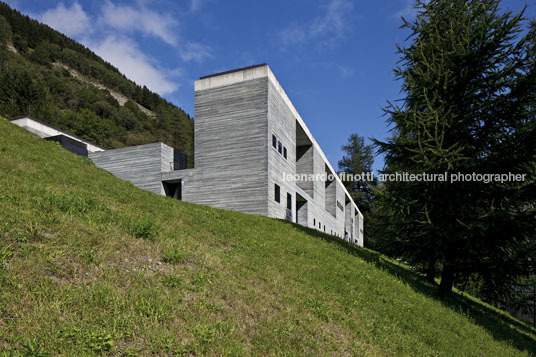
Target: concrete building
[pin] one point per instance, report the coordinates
(69, 141)
(249, 140)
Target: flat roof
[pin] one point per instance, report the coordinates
(50, 126)
(233, 70)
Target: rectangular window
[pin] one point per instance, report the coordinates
(289, 201)
(285, 152)
(314, 221)
(319, 224)
(277, 195)
(280, 147)
(274, 141)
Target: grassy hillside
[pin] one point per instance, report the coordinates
(90, 265)
(49, 76)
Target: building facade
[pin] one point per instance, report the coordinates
(253, 154)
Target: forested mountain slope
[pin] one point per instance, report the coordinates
(56, 80)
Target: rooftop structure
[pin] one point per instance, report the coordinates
(46, 131)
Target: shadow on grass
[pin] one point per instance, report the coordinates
(501, 326)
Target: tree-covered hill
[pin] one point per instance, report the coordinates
(37, 65)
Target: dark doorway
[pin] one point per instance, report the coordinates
(173, 189)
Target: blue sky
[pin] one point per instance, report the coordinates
(333, 57)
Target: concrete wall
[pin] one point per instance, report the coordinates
(330, 197)
(231, 146)
(142, 165)
(282, 124)
(319, 187)
(321, 205)
(304, 165)
(349, 225)
(166, 161)
(359, 230)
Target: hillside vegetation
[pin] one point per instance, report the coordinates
(90, 265)
(47, 75)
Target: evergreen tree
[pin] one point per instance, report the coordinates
(358, 159)
(468, 106)
(5, 31)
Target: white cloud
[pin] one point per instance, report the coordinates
(111, 33)
(293, 35)
(128, 18)
(133, 63)
(345, 72)
(330, 26)
(71, 21)
(335, 20)
(192, 51)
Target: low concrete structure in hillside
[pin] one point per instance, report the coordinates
(250, 145)
(69, 141)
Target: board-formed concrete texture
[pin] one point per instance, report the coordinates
(248, 138)
(239, 116)
(142, 164)
(230, 156)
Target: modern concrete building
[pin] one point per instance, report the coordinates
(249, 140)
(45, 131)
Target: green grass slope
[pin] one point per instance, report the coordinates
(92, 265)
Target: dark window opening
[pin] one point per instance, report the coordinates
(277, 195)
(324, 227)
(289, 201)
(285, 152)
(280, 147)
(274, 141)
(319, 224)
(314, 222)
(173, 189)
(179, 160)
